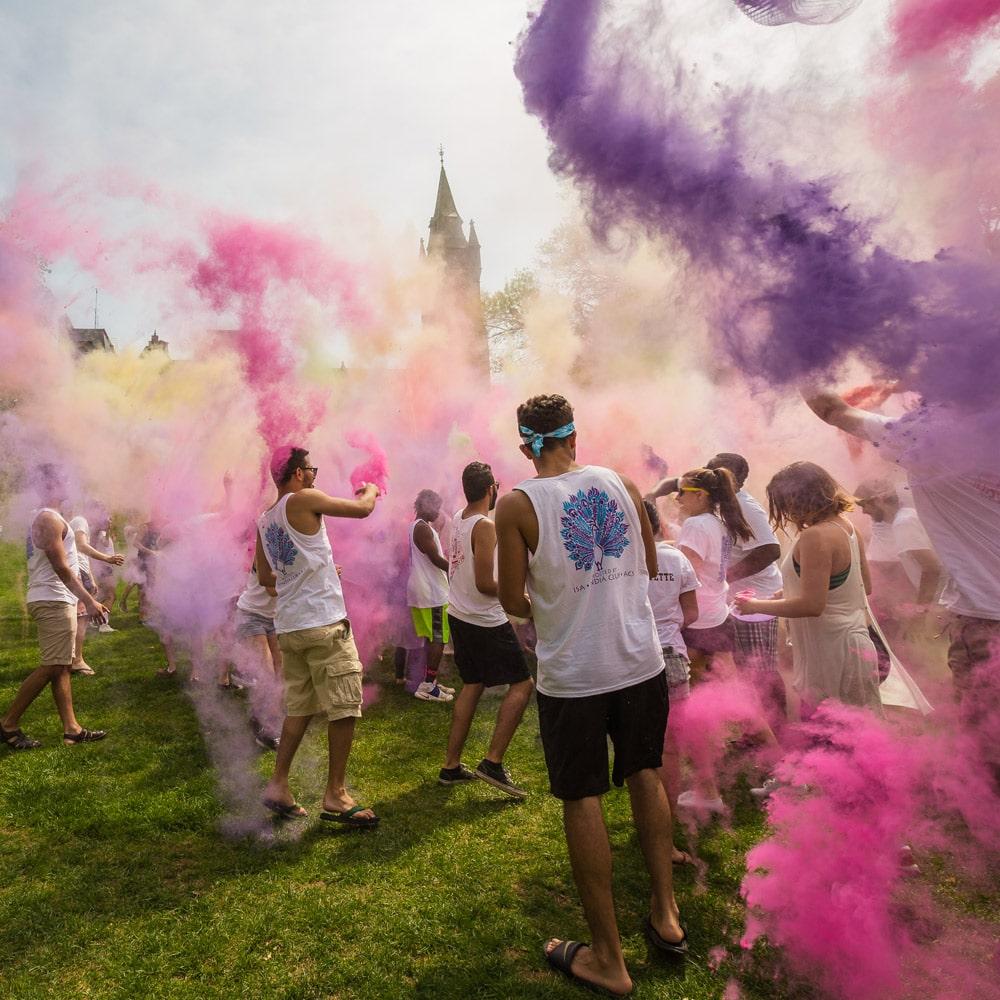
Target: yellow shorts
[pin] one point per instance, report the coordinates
(322, 671)
(56, 622)
(432, 624)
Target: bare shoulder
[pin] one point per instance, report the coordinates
(484, 528)
(47, 526)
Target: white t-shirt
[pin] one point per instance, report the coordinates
(674, 576)
(79, 523)
(427, 585)
(767, 582)
(896, 540)
(959, 509)
(589, 586)
(706, 536)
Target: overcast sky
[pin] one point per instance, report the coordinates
(316, 109)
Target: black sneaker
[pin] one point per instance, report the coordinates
(455, 775)
(499, 777)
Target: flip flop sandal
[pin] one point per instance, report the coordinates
(683, 858)
(561, 959)
(350, 817)
(16, 740)
(283, 810)
(672, 949)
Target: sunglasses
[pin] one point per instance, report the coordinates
(310, 468)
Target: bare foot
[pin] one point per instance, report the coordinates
(680, 857)
(585, 967)
(668, 926)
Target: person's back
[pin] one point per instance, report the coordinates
(465, 601)
(588, 584)
(427, 584)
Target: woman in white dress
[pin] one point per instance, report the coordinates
(826, 583)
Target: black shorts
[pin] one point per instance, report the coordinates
(488, 656)
(575, 735)
(718, 639)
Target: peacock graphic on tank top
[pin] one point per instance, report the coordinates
(280, 548)
(594, 527)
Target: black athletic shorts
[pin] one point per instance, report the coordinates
(575, 735)
(489, 656)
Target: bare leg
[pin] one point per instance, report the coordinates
(590, 857)
(461, 719)
(81, 634)
(509, 718)
(62, 695)
(340, 734)
(292, 731)
(399, 662)
(31, 687)
(654, 824)
(435, 650)
(275, 650)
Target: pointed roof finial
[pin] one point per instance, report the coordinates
(441, 153)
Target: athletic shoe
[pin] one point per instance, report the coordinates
(455, 775)
(267, 742)
(700, 803)
(105, 628)
(499, 777)
(446, 690)
(431, 692)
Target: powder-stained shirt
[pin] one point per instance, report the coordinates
(959, 508)
(706, 536)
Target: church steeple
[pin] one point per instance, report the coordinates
(446, 223)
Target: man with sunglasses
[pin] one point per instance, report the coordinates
(322, 672)
(487, 652)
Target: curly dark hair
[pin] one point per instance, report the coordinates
(544, 414)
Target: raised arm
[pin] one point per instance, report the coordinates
(664, 488)
(831, 409)
(484, 546)
(648, 541)
(514, 524)
(47, 535)
(317, 502)
(423, 538)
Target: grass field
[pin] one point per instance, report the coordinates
(117, 882)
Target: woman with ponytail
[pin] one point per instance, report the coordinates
(713, 522)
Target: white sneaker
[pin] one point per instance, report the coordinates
(446, 690)
(700, 803)
(105, 627)
(431, 692)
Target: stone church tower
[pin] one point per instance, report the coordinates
(448, 242)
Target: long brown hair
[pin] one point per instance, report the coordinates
(804, 493)
(720, 486)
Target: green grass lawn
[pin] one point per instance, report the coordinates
(118, 883)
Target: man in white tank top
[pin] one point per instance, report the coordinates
(321, 669)
(427, 594)
(578, 538)
(54, 588)
(487, 652)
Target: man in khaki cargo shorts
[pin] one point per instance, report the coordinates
(322, 672)
(54, 588)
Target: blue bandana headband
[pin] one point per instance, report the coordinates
(534, 440)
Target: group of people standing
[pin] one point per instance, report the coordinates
(624, 619)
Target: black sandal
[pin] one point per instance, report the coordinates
(16, 740)
(672, 949)
(84, 736)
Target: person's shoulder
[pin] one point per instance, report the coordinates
(79, 523)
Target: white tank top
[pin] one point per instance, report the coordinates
(255, 598)
(309, 591)
(426, 586)
(43, 584)
(588, 585)
(465, 602)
